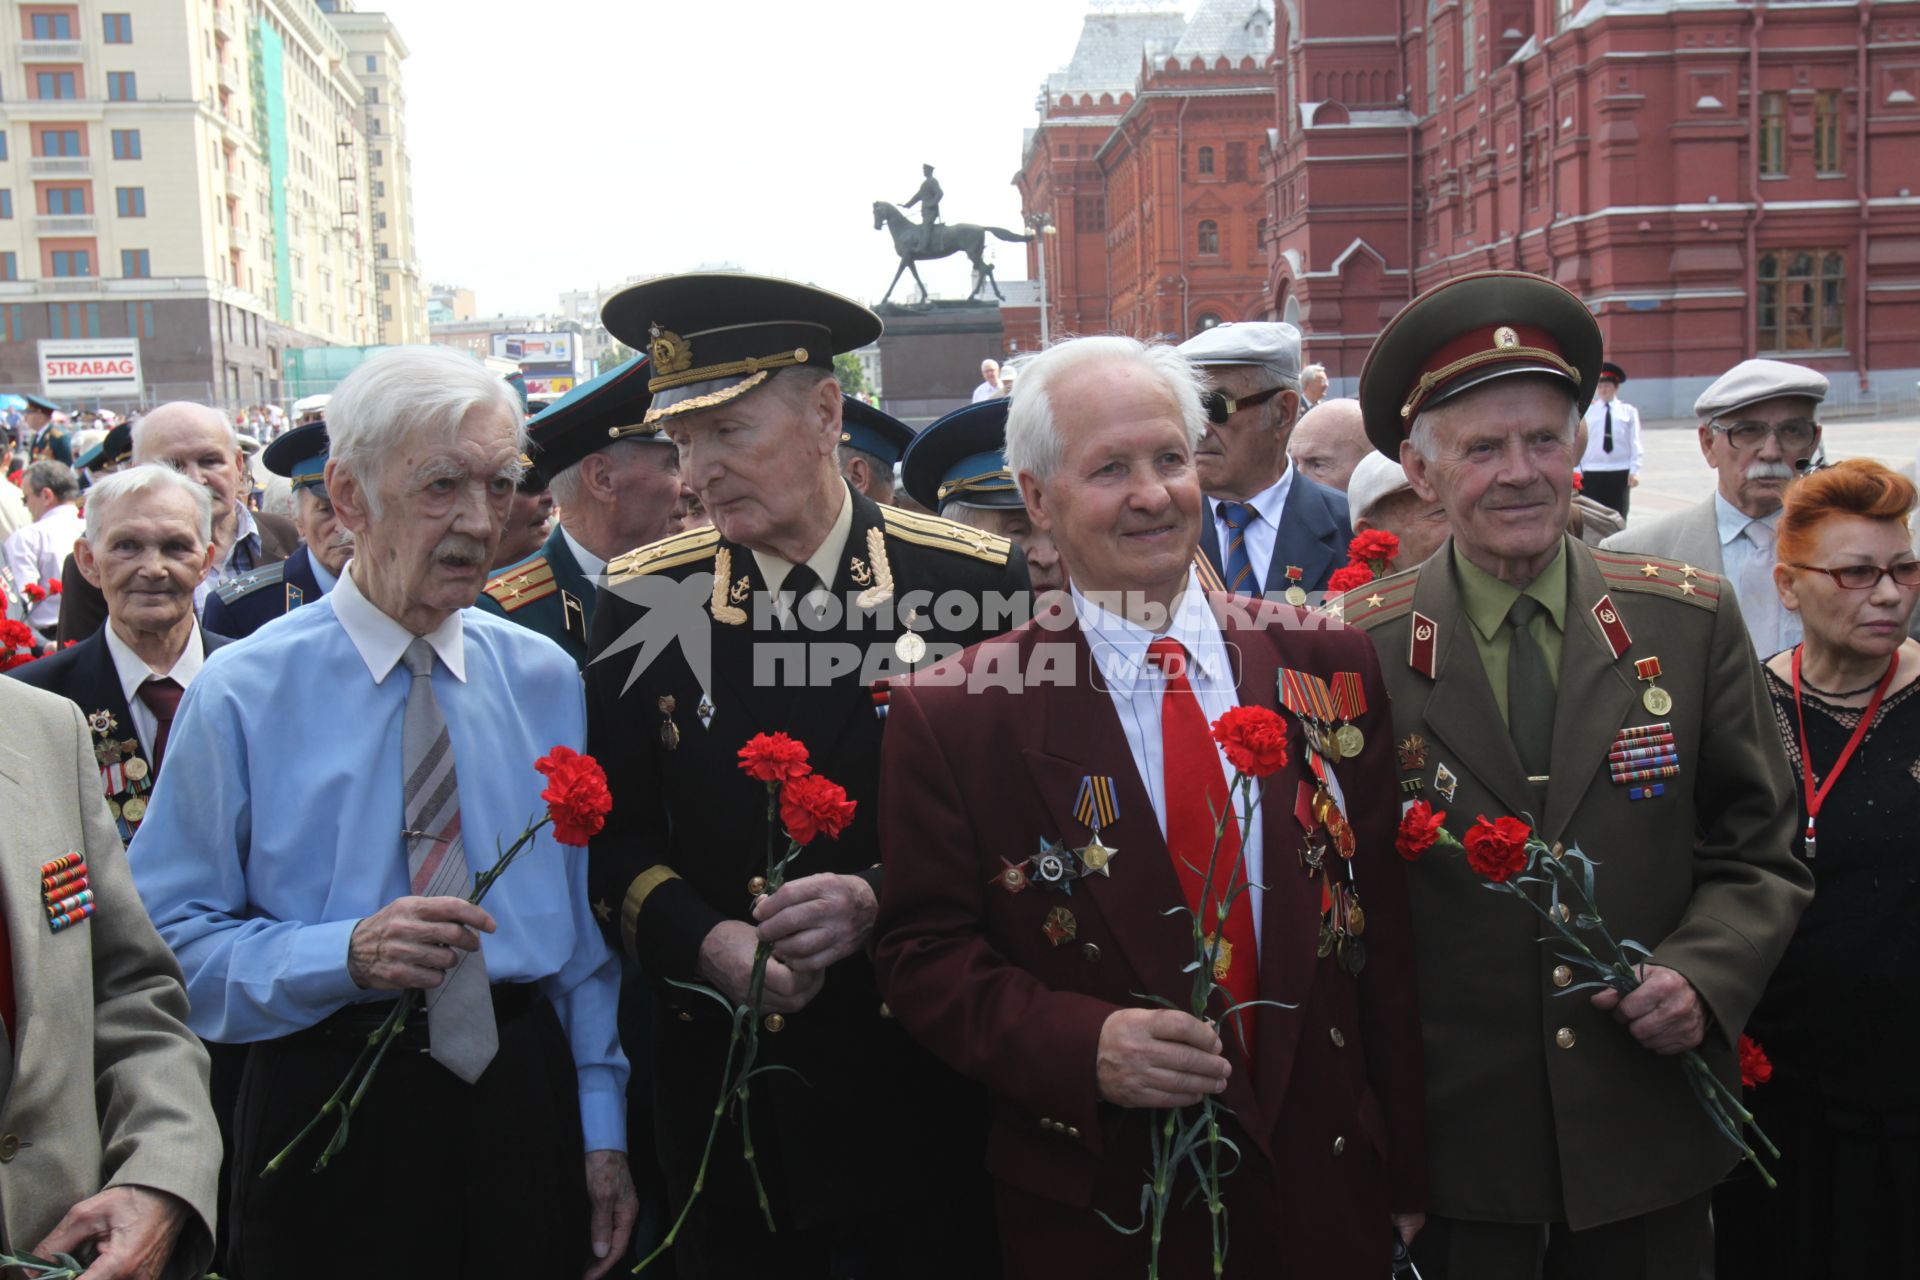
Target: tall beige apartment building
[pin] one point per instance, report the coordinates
(188, 184)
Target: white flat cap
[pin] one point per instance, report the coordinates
(1375, 478)
(1270, 345)
(1752, 381)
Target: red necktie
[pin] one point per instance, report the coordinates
(1196, 789)
(162, 695)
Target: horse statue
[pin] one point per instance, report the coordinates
(911, 243)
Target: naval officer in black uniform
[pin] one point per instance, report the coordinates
(778, 618)
(243, 605)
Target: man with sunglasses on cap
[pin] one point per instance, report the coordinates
(1612, 704)
(1758, 429)
(1271, 531)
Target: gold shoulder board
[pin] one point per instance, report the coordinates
(1380, 601)
(521, 585)
(946, 535)
(668, 553)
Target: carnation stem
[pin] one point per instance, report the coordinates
(706, 1152)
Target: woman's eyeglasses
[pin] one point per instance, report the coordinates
(1865, 577)
(1220, 408)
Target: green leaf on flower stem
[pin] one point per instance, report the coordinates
(704, 990)
(1190, 966)
(776, 1066)
(1146, 1198)
(1161, 1001)
(1257, 1004)
(1628, 944)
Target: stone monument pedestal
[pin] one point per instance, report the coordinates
(930, 356)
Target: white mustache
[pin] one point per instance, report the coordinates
(459, 549)
(1770, 471)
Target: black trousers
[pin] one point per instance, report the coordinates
(1608, 488)
(1674, 1243)
(439, 1180)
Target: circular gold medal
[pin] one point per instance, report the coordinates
(1295, 595)
(113, 807)
(134, 809)
(1356, 920)
(1350, 740)
(910, 648)
(1657, 700)
(135, 769)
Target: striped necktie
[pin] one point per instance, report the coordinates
(460, 1028)
(1241, 579)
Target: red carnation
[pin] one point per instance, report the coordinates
(1579, 486)
(1254, 739)
(1374, 546)
(1498, 849)
(811, 806)
(1349, 578)
(576, 795)
(1420, 827)
(34, 592)
(774, 757)
(55, 587)
(1755, 1069)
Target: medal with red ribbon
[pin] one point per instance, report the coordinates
(1349, 703)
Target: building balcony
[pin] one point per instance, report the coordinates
(69, 224)
(61, 166)
(50, 50)
(229, 76)
(223, 22)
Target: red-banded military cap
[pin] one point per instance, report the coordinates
(1468, 331)
(716, 335)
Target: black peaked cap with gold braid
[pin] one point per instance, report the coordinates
(1467, 331)
(714, 336)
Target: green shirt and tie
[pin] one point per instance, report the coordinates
(1518, 634)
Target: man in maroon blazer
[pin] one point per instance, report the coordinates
(1032, 975)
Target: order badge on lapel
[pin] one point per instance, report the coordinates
(1096, 807)
(124, 775)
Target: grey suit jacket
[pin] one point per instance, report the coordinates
(101, 1083)
(1691, 537)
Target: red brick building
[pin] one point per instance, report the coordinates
(1148, 161)
(1717, 179)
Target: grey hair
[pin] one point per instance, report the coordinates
(170, 409)
(567, 486)
(1427, 421)
(51, 473)
(401, 390)
(1033, 443)
(139, 479)
(1313, 369)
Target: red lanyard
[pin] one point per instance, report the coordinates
(1817, 796)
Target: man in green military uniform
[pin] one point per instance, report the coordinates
(616, 482)
(779, 618)
(49, 437)
(1523, 667)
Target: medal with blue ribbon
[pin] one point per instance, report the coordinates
(1094, 808)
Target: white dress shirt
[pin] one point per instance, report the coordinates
(825, 560)
(590, 564)
(1749, 569)
(1627, 449)
(134, 672)
(1136, 688)
(37, 553)
(1262, 532)
(382, 642)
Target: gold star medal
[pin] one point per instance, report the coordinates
(1097, 857)
(1096, 807)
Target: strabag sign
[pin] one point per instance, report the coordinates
(90, 367)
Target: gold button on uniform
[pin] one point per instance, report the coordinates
(1072, 1132)
(1339, 1040)
(757, 886)
(685, 1016)
(1562, 975)
(886, 1011)
(9, 1146)
(1564, 1037)
(1045, 1123)
(1563, 912)
(774, 1022)
(1090, 952)
(1339, 1145)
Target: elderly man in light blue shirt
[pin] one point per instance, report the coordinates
(338, 785)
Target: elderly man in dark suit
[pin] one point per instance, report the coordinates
(241, 606)
(202, 445)
(106, 1139)
(1605, 700)
(779, 617)
(1041, 993)
(146, 546)
(1272, 531)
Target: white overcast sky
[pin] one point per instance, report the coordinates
(560, 144)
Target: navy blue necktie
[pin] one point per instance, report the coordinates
(1241, 579)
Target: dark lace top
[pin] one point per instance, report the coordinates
(1842, 1012)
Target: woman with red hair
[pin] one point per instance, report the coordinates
(1840, 1019)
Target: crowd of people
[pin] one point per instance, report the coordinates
(1155, 743)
